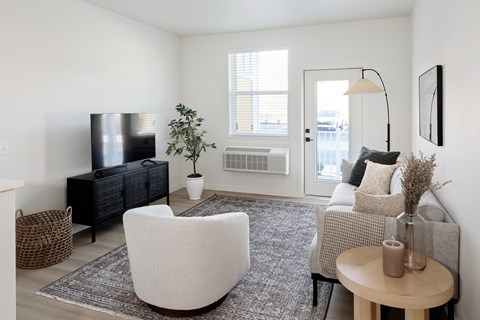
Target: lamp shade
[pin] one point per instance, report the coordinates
(363, 86)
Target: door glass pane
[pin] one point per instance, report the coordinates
(332, 128)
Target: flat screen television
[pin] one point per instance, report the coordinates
(119, 138)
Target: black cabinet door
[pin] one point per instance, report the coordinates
(136, 188)
(80, 195)
(108, 197)
(158, 182)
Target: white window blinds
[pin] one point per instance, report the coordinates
(258, 90)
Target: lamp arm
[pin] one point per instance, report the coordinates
(384, 89)
(388, 108)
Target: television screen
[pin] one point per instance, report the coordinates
(119, 138)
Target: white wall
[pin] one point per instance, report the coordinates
(444, 32)
(61, 60)
(380, 44)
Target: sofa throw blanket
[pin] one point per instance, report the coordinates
(345, 230)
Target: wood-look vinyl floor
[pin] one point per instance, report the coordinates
(109, 236)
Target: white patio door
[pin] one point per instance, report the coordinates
(332, 127)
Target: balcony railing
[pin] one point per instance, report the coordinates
(332, 147)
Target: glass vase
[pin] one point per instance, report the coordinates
(411, 231)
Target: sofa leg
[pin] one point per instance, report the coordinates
(316, 277)
(450, 309)
(315, 292)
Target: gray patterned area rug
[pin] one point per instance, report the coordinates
(278, 285)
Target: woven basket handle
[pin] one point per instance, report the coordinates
(19, 212)
(69, 210)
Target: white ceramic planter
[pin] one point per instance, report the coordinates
(194, 187)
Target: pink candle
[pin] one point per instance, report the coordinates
(393, 258)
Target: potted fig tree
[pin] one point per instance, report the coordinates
(187, 138)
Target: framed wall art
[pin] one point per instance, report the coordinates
(430, 105)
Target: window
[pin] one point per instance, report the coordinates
(258, 91)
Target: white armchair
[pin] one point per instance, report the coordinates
(182, 266)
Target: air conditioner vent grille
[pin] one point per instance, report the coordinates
(256, 159)
(246, 162)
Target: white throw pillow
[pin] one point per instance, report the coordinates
(347, 167)
(377, 178)
(385, 204)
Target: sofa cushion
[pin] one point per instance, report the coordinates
(342, 195)
(381, 157)
(385, 204)
(377, 178)
(396, 181)
(340, 208)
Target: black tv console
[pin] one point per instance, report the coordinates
(96, 198)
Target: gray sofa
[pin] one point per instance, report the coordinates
(339, 228)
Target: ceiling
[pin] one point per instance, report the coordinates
(196, 17)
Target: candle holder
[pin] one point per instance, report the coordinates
(393, 252)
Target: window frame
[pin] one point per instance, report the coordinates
(255, 96)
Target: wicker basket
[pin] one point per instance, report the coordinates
(44, 238)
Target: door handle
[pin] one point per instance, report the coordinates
(307, 139)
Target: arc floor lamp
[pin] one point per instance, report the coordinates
(366, 86)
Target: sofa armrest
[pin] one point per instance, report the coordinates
(338, 231)
(443, 244)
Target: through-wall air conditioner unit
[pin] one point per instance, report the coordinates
(256, 159)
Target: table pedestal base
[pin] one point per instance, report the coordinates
(364, 309)
(417, 314)
(367, 310)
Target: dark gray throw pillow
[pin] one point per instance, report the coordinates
(359, 167)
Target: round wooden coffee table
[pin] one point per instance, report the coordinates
(360, 270)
